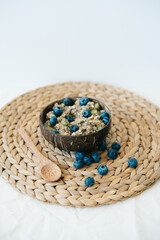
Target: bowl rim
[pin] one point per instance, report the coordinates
(104, 106)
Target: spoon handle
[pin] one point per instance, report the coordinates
(31, 145)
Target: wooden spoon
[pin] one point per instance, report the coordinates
(48, 170)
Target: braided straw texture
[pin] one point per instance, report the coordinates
(135, 124)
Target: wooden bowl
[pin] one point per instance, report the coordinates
(84, 143)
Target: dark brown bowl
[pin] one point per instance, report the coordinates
(84, 143)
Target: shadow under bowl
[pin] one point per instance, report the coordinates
(85, 143)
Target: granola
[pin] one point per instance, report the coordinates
(84, 125)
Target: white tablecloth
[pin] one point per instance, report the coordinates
(44, 42)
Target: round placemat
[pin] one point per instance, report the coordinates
(135, 125)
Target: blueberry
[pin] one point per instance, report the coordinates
(79, 155)
(87, 160)
(83, 101)
(102, 146)
(55, 131)
(78, 164)
(74, 128)
(112, 154)
(53, 120)
(86, 113)
(89, 181)
(102, 169)
(67, 102)
(105, 120)
(132, 162)
(57, 111)
(69, 118)
(104, 114)
(116, 146)
(96, 157)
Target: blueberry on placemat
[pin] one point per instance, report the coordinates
(67, 102)
(132, 162)
(104, 115)
(86, 113)
(83, 101)
(69, 118)
(53, 120)
(89, 181)
(57, 111)
(96, 157)
(112, 154)
(78, 164)
(116, 146)
(55, 131)
(87, 160)
(102, 169)
(74, 128)
(102, 146)
(79, 155)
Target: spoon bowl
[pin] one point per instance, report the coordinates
(50, 172)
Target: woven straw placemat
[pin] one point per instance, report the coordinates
(135, 124)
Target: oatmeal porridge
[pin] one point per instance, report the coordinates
(79, 117)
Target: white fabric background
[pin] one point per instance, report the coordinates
(45, 42)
